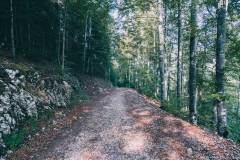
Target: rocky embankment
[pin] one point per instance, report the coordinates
(25, 92)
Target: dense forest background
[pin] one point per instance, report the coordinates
(167, 50)
(71, 34)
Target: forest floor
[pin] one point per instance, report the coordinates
(121, 124)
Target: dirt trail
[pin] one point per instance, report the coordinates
(124, 125)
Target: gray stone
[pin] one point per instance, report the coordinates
(23, 95)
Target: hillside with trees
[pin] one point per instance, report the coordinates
(186, 58)
(60, 56)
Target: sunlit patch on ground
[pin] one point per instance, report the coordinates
(85, 155)
(86, 109)
(135, 142)
(198, 135)
(81, 156)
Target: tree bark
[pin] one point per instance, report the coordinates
(179, 71)
(238, 103)
(161, 33)
(59, 35)
(85, 43)
(192, 66)
(169, 75)
(220, 65)
(12, 30)
(64, 37)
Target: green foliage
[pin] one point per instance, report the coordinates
(16, 138)
(219, 97)
(172, 107)
(13, 140)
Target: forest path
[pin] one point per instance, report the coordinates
(124, 125)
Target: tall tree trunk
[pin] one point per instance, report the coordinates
(192, 66)
(88, 43)
(238, 103)
(161, 33)
(129, 74)
(156, 64)
(59, 34)
(85, 43)
(29, 28)
(64, 38)
(169, 75)
(12, 30)
(220, 65)
(182, 75)
(166, 67)
(179, 71)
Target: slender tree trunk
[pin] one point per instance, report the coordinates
(90, 27)
(238, 105)
(59, 34)
(64, 38)
(169, 75)
(179, 71)
(166, 68)
(29, 29)
(156, 63)
(12, 30)
(182, 75)
(85, 43)
(88, 43)
(129, 74)
(220, 65)
(161, 33)
(192, 66)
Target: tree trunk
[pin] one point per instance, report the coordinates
(64, 38)
(59, 35)
(192, 66)
(179, 72)
(156, 64)
(12, 30)
(88, 43)
(182, 75)
(220, 65)
(29, 29)
(166, 68)
(85, 43)
(238, 103)
(161, 33)
(169, 75)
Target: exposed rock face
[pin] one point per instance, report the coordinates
(24, 94)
